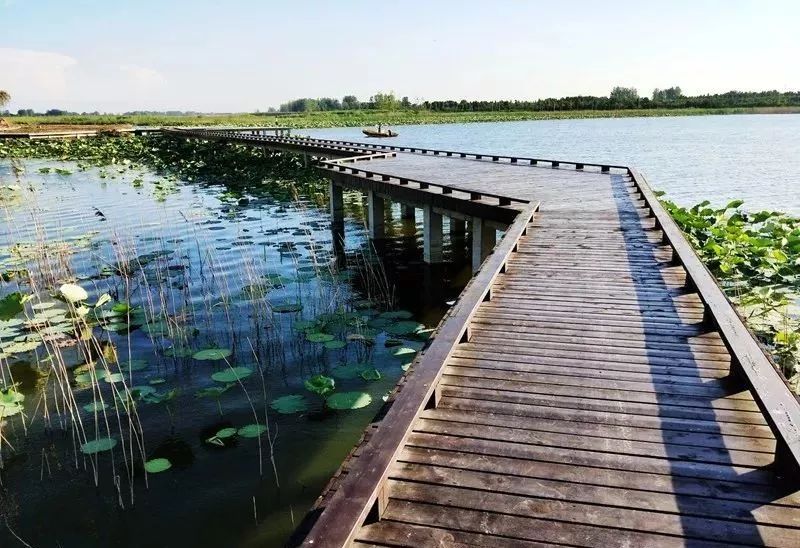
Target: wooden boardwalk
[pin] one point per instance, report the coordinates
(591, 387)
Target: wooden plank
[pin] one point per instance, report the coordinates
(392, 533)
(526, 529)
(586, 424)
(576, 440)
(768, 497)
(478, 491)
(546, 397)
(742, 475)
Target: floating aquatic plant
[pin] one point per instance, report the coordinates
(320, 385)
(156, 466)
(232, 374)
(291, 403)
(98, 446)
(348, 400)
(210, 354)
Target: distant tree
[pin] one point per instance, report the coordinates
(326, 103)
(669, 95)
(350, 102)
(405, 103)
(624, 97)
(25, 112)
(384, 101)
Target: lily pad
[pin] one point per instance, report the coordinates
(114, 377)
(291, 403)
(371, 375)
(156, 466)
(319, 337)
(11, 305)
(349, 400)
(95, 406)
(320, 384)
(404, 328)
(232, 374)
(349, 371)
(251, 430)
(73, 293)
(98, 446)
(212, 354)
(335, 345)
(226, 433)
(404, 352)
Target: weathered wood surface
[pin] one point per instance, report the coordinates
(600, 392)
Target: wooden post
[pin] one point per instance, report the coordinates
(432, 235)
(407, 212)
(337, 203)
(375, 216)
(457, 228)
(483, 241)
(337, 221)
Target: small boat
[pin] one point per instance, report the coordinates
(380, 132)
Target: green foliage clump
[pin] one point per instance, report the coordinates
(756, 258)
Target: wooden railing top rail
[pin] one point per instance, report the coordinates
(503, 200)
(475, 155)
(365, 481)
(604, 168)
(776, 400)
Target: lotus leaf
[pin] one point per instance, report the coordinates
(291, 403)
(155, 466)
(349, 400)
(212, 354)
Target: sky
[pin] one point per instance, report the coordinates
(238, 55)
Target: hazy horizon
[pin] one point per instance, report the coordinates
(91, 56)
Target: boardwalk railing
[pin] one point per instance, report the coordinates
(749, 359)
(362, 491)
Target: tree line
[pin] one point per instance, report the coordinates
(619, 98)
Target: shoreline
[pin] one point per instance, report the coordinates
(334, 119)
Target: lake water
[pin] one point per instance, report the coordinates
(692, 158)
(189, 267)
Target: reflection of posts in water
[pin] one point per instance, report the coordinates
(375, 212)
(407, 211)
(432, 235)
(457, 236)
(337, 221)
(484, 238)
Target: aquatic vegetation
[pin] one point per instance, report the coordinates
(156, 466)
(98, 446)
(232, 374)
(212, 354)
(756, 258)
(320, 385)
(348, 400)
(123, 337)
(10, 402)
(251, 431)
(290, 403)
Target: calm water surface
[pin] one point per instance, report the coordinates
(692, 158)
(202, 268)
